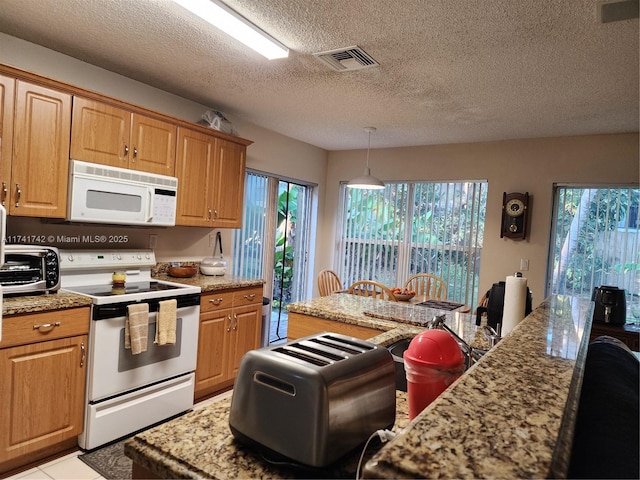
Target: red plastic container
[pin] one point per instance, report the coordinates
(432, 362)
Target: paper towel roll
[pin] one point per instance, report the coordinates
(515, 302)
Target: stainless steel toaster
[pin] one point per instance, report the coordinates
(314, 399)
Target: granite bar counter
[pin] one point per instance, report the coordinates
(200, 445)
(511, 415)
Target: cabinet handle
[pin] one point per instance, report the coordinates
(46, 325)
(126, 150)
(215, 301)
(4, 192)
(235, 321)
(209, 214)
(251, 296)
(229, 319)
(18, 193)
(83, 354)
(135, 152)
(215, 213)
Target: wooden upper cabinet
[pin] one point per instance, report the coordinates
(7, 91)
(194, 170)
(210, 175)
(108, 135)
(40, 163)
(229, 188)
(154, 145)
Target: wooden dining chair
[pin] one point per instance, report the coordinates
(427, 285)
(369, 288)
(328, 282)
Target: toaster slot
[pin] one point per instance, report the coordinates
(362, 346)
(323, 353)
(301, 355)
(337, 346)
(275, 383)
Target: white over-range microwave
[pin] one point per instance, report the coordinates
(105, 194)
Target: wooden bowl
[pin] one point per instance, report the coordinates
(404, 298)
(183, 272)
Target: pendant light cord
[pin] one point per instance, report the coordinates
(368, 149)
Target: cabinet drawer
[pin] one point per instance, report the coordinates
(38, 327)
(247, 296)
(215, 301)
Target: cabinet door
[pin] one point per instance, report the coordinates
(194, 168)
(212, 340)
(42, 395)
(100, 133)
(229, 187)
(6, 134)
(154, 145)
(40, 163)
(245, 335)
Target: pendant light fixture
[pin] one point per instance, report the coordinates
(367, 181)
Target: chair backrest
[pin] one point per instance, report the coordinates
(369, 288)
(427, 285)
(328, 282)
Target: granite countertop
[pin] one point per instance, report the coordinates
(511, 415)
(207, 283)
(200, 445)
(23, 304)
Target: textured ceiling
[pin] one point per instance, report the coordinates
(450, 71)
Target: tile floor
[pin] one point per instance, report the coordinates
(70, 467)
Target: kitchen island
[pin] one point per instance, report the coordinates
(511, 415)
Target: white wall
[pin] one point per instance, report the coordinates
(531, 165)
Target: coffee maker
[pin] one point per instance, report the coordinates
(610, 305)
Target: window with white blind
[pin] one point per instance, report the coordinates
(595, 241)
(414, 227)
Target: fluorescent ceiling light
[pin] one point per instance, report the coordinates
(222, 17)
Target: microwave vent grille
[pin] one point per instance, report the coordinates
(126, 175)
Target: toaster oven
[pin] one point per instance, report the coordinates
(30, 269)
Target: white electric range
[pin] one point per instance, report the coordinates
(125, 392)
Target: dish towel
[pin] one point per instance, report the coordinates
(166, 322)
(136, 328)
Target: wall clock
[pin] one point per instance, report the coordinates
(515, 209)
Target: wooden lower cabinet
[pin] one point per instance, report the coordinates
(42, 385)
(42, 398)
(230, 324)
(301, 325)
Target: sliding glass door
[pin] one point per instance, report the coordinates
(274, 241)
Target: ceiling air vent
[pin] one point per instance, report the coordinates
(618, 11)
(347, 59)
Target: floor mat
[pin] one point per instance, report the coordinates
(109, 461)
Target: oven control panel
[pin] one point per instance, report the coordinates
(106, 259)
